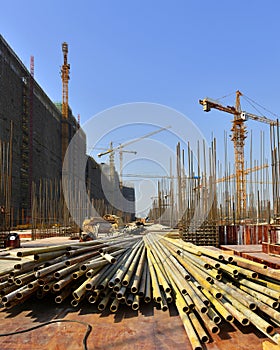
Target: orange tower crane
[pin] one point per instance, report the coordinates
(65, 70)
(238, 137)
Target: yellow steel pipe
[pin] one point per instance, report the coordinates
(155, 284)
(62, 283)
(254, 285)
(139, 272)
(239, 316)
(209, 324)
(191, 333)
(261, 297)
(199, 329)
(228, 289)
(132, 267)
(160, 276)
(212, 314)
(135, 303)
(182, 245)
(80, 291)
(255, 319)
(218, 306)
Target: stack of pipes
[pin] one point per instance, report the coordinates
(60, 268)
(206, 285)
(212, 287)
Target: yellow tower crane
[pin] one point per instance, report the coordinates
(238, 137)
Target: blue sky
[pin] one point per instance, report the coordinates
(167, 52)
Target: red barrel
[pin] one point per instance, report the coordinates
(12, 240)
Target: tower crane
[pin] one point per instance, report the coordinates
(238, 137)
(232, 176)
(65, 70)
(119, 148)
(111, 151)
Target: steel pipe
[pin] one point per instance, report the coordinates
(49, 255)
(192, 335)
(182, 245)
(124, 267)
(255, 319)
(115, 305)
(209, 324)
(235, 313)
(104, 301)
(213, 315)
(63, 295)
(148, 287)
(139, 272)
(135, 303)
(199, 329)
(219, 306)
(62, 283)
(154, 280)
(142, 286)
(132, 267)
(46, 270)
(261, 297)
(157, 268)
(47, 250)
(257, 287)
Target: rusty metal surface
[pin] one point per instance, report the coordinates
(243, 248)
(255, 253)
(269, 260)
(147, 328)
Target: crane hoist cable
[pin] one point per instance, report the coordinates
(254, 104)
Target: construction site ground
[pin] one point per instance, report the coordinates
(148, 328)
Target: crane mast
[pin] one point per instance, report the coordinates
(238, 137)
(65, 70)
